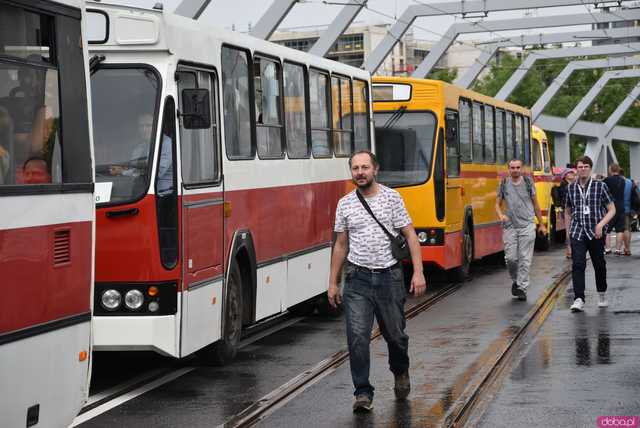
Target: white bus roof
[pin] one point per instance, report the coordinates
(145, 30)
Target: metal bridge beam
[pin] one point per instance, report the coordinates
(337, 27)
(269, 22)
(455, 8)
(526, 65)
(602, 133)
(547, 96)
(516, 24)
(192, 8)
(489, 50)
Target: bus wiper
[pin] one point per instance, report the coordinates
(395, 117)
(94, 62)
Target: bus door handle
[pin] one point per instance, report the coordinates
(123, 213)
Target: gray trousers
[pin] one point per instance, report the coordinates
(518, 252)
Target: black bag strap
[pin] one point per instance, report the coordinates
(366, 207)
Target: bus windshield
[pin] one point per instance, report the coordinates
(404, 145)
(123, 107)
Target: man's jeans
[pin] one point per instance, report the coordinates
(518, 252)
(382, 294)
(579, 264)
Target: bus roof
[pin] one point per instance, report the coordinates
(437, 90)
(144, 30)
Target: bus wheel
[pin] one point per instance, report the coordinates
(225, 350)
(462, 272)
(543, 242)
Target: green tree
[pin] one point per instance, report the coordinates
(445, 74)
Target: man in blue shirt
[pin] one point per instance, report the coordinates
(591, 207)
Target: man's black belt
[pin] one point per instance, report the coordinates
(380, 270)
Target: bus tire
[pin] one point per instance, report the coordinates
(225, 349)
(463, 272)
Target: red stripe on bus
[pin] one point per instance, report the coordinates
(282, 220)
(36, 290)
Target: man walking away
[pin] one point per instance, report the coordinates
(628, 213)
(591, 208)
(519, 229)
(374, 281)
(616, 184)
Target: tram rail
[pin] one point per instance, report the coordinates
(288, 391)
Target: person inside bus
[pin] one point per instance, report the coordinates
(136, 166)
(36, 171)
(6, 142)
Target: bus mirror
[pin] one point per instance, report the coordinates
(195, 113)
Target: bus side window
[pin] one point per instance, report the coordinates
(266, 82)
(341, 99)
(511, 150)
(478, 132)
(489, 141)
(320, 111)
(453, 155)
(500, 147)
(465, 130)
(536, 160)
(518, 138)
(546, 157)
(238, 135)
(199, 147)
(526, 129)
(362, 135)
(295, 111)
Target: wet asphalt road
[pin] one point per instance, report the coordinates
(451, 346)
(579, 366)
(208, 396)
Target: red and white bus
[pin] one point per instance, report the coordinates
(47, 213)
(219, 162)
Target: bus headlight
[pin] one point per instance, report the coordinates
(422, 237)
(111, 300)
(133, 299)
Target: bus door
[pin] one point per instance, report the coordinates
(454, 194)
(202, 208)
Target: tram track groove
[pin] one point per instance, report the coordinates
(472, 398)
(289, 390)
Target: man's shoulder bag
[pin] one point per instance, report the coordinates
(399, 245)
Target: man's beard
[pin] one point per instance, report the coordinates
(364, 186)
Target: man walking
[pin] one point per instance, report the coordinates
(519, 230)
(616, 184)
(591, 208)
(374, 281)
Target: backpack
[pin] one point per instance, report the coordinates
(527, 181)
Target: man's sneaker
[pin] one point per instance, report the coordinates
(514, 289)
(363, 403)
(521, 293)
(402, 386)
(602, 300)
(578, 305)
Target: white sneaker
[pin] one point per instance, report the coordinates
(578, 305)
(602, 300)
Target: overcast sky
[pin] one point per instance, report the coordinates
(309, 13)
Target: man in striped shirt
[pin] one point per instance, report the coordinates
(591, 207)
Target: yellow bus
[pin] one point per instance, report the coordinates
(545, 180)
(445, 149)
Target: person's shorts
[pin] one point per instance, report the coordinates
(620, 222)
